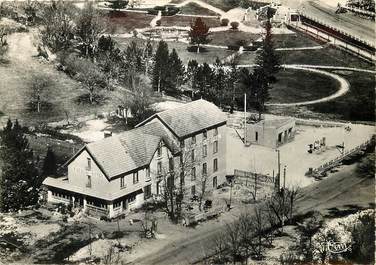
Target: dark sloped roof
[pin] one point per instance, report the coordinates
(156, 128)
(190, 118)
(125, 152)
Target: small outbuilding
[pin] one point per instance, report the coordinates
(270, 132)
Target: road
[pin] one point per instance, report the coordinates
(354, 25)
(340, 190)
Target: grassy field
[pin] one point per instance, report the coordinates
(209, 55)
(195, 9)
(225, 5)
(231, 37)
(294, 86)
(293, 41)
(62, 93)
(125, 22)
(183, 21)
(358, 104)
(326, 56)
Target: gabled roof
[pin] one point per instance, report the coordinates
(123, 153)
(190, 118)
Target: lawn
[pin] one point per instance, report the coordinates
(358, 104)
(185, 21)
(232, 37)
(62, 149)
(195, 9)
(125, 22)
(61, 94)
(294, 86)
(294, 40)
(325, 56)
(209, 55)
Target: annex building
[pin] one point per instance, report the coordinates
(119, 173)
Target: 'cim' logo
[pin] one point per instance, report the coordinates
(338, 247)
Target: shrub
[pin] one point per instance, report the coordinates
(224, 22)
(158, 22)
(234, 25)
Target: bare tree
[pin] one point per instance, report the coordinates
(39, 86)
(292, 194)
(92, 79)
(173, 179)
(234, 244)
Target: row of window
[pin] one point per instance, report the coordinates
(204, 170)
(135, 179)
(204, 135)
(204, 151)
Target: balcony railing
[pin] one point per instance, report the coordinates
(95, 209)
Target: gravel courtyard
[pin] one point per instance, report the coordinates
(294, 155)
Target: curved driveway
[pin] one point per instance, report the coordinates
(344, 85)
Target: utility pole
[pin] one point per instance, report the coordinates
(284, 178)
(279, 170)
(245, 119)
(283, 197)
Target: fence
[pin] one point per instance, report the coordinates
(322, 35)
(338, 160)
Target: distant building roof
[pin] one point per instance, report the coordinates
(190, 118)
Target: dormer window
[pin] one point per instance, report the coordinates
(88, 165)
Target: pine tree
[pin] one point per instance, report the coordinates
(192, 69)
(199, 33)
(49, 164)
(218, 91)
(267, 66)
(175, 73)
(19, 181)
(160, 69)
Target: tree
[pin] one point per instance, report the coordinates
(141, 99)
(191, 73)
(267, 66)
(199, 33)
(19, 182)
(173, 178)
(175, 73)
(92, 79)
(58, 26)
(89, 26)
(39, 95)
(307, 230)
(109, 57)
(49, 164)
(160, 69)
(118, 4)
